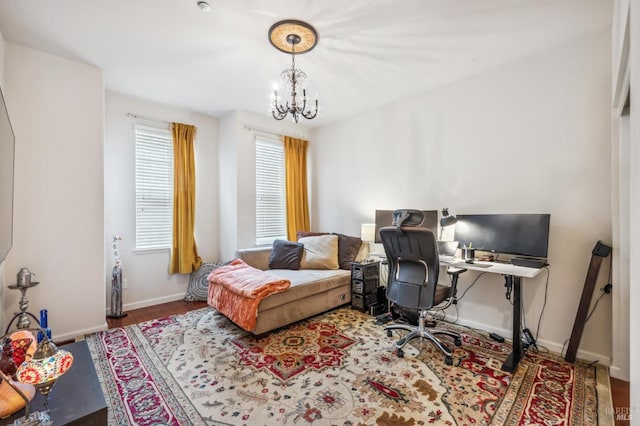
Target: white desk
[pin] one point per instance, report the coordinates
(513, 279)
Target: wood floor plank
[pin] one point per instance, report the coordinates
(153, 312)
(620, 397)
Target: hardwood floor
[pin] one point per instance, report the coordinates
(619, 388)
(152, 312)
(620, 396)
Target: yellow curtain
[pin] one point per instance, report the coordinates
(184, 253)
(295, 162)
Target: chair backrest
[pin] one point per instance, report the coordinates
(412, 254)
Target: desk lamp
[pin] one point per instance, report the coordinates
(446, 220)
(46, 366)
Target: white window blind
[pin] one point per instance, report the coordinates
(154, 188)
(271, 215)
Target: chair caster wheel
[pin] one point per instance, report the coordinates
(448, 360)
(389, 333)
(457, 342)
(400, 353)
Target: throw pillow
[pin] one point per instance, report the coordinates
(302, 234)
(198, 289)
(320, 252)
(286, 255)
(348, 248)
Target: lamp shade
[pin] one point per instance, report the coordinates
(447, 219)
(368, 232)
(46, 366)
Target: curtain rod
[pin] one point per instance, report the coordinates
(142, 117)
(271, 132)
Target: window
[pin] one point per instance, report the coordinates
(154, 188)
(271, 215)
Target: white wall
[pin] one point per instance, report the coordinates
(634, 202)
(149, 282)
(532, 136)
(3, 282)
(238, 175)
(620, 166)
(228, 175)
(57, 114)
(1, 58)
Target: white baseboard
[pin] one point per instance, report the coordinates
(79, 334)
(554, 347)
(149, 302)
(619, 373)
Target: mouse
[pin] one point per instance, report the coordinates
(469, 261)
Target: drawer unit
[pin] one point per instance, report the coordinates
(364, 285)
(364, 271)
(362, 302)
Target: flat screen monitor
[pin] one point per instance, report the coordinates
(519, 234)
(385, 218)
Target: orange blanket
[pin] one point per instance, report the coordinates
(236, 290)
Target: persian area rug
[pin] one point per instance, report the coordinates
(338, 368)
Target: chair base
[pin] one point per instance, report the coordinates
(421, 331)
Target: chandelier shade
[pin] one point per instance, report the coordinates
(294, 37)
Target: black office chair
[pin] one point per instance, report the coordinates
(414, 268)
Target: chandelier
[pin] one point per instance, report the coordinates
(295, 37)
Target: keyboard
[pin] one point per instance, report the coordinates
(479, 265)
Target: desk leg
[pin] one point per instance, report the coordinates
(516, 352)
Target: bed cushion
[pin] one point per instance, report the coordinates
(348, 248)
(286, 255)
(305, 283)
(302, 234)
(320, 252)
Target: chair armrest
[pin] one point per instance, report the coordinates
(448, 293)
(257, 257)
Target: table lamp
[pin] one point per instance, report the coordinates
(42, 370)
(368, 234)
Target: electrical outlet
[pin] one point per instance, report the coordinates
(125, 283)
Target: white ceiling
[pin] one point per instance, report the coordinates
(370, 52)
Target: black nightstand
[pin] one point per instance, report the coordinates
(365, 278)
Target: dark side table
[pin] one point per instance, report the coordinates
(364, 285)
(76, 398)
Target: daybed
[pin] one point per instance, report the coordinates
(312, 291)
